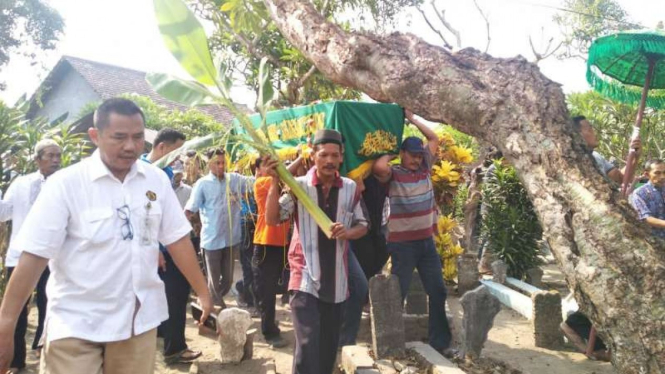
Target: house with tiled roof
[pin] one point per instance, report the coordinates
(75, 82)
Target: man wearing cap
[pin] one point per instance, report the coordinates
(411, 225)
(20, 196)
(319, 264)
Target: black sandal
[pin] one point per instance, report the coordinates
(185, 356)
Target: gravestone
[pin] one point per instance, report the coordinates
(499, 271)
(248, 348)
(416, 299)
(534, 277)
(547, 317)
(232, 325)
(480, 307)
(467, 273)
(386, 315)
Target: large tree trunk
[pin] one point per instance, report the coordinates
(616, 269)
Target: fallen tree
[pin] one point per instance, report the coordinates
(609, 259)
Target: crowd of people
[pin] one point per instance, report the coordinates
(118, 245)
(121, 237)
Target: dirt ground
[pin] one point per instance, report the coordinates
(510, 341)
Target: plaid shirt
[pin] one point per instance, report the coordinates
(648, 202)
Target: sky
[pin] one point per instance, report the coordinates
(124, 33)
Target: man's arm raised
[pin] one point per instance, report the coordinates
(272, 201)
(432, 138)
(381, 169)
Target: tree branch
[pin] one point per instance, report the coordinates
(442, 18)
(611, 260)
(304, 78)
(445, 42)
(250, 46)
(547, 53)
(487, 25)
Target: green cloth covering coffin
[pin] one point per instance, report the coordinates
(369, 129)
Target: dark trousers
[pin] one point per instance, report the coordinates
(267, 265)
(371, 252)
(18, 361)
(42, 301)
(421, 254)
(316, 325)
(177, 297)
(245, 286)
(353, 307)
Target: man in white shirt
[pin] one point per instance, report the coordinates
(99, 223)
(182, 190)
(18, 200)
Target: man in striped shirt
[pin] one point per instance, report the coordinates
(412, 222)
(319, 264)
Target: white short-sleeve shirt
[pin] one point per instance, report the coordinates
(98, 279)
(20, 196)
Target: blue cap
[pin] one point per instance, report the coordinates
(413, 144)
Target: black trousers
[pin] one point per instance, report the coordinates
(372, 252)
(316, 325)
(177, 298)
(267, 265)
(245, 286)
(42, 301)
(18, 361)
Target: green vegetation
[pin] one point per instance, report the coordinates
(510, 225)
(613, 123)
(245, 34)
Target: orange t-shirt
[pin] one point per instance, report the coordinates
(264, 234)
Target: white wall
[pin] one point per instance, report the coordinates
(68, 96)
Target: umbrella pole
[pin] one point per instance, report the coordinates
(629, 172)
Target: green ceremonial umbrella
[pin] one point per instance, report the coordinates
(620, 63)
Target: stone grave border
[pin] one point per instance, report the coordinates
(542, 308)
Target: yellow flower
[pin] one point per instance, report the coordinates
(288, 153)
(445, 172)
(461, 154)
(445, 246)
(306, 151)
(445, 139)
(446, 224)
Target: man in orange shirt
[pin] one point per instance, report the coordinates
(269, 259)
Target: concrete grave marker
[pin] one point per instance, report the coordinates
(535, 277)
(547, 317)
(480, 307)
(499, 271)
(386, 315)
(467, 273)
(416, 299)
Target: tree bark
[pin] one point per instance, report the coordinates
(609, 259)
